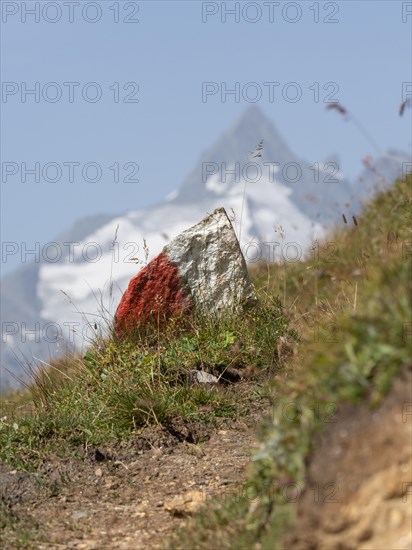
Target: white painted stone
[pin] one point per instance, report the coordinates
(211, 264)
(206, 378)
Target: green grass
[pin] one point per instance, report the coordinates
(352, 310)
(121, 386)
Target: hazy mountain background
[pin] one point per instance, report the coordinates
(279, 203)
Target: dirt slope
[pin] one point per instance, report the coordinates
(359, 494)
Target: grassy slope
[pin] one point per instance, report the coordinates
(351, 304)
(119, 387)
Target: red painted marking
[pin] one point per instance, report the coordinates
(154, 295)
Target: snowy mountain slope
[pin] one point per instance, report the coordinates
(315, 189)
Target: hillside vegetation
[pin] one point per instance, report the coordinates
(334, 329)
(351, 304)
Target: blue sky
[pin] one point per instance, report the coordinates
(165, 57)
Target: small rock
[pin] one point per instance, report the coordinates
(185, 504)
(79, 515)
(98, 472)
(396, 518)
(195, 450)
(205, 378)
(225, 482)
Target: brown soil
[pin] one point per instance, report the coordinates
(135, 495)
